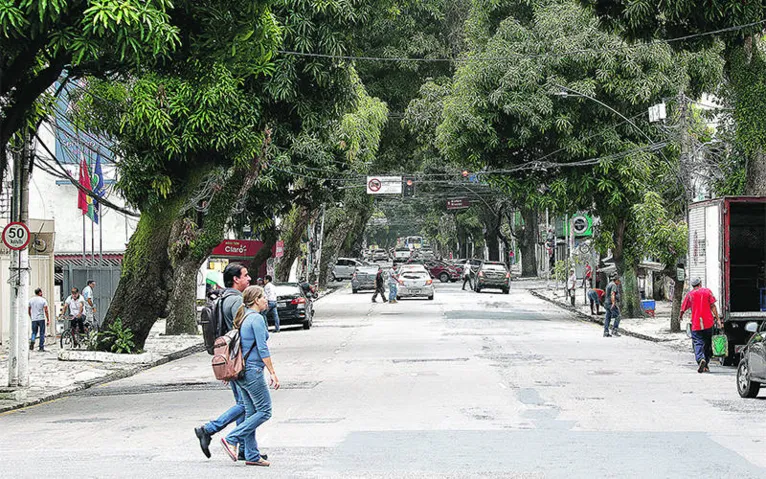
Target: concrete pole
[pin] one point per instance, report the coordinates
(23, 314)
(321, 241)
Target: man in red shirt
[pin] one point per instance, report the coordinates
(702, 303)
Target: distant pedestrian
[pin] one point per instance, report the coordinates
(87, 295)
(511, 257)
(259, 282)
(393, 284)
(467, 275)
(612, 304)
(596, 298)
(252, 386)
(271, 297)
(73, 310)
(702, 303)
(587, 279)
(571, 286)
(38, 314)
(380, 286)
(236, 279)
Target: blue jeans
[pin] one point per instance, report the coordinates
(392, 290)
(234, 413)
(611, 314)
(703, 344)
(273, 312)
(38, 326)
(255, 394)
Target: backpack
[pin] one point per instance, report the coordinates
(211, 320)
(228, 363)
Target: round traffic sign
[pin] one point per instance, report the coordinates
(374, 184)
(580, 224)
(16, 236)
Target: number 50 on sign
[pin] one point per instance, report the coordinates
(16, 236)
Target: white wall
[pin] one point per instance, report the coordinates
(47, 200)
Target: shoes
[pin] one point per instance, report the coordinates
(707, 369)
(261, 462)
(616, 333)
(702, 366)
(41, 350)
(31, 345)
(231, 449)
(374, 301)
(607, 335)
(204, 440)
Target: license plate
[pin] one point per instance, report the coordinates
(413, 291)
(281, 305)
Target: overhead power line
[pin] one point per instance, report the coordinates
(626, 46)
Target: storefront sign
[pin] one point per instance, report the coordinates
(237, 248)
(279, 251)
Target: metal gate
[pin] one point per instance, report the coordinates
(106, 278)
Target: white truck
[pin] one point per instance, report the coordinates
(727, 251)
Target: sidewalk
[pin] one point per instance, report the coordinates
(656, 329)
(50, 378)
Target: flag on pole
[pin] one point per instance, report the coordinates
(83, 200)
(98, 181)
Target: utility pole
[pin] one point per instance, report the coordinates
(321, 241)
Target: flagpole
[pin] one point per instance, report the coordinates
(92, 244)
(100, 237)
(83, 240)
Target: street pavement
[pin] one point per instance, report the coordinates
(466, 385)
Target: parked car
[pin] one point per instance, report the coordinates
(751, 372)
(380, 255)
(414, 283)
(401, 255)
(364, 278)
(294, 306)
(492, 274)
(344, 268)
(444, 271)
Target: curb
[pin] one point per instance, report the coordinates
(597, 320)
(107, 378)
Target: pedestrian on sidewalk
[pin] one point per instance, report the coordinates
(612, 304)
(236, 279)
(271, 297)
(587, 280)
(252, 386)
(393, 284)
(596, 297)
(74, 311)
(38, 313)
(467, 274)
(380, 286)
(87, 295)
(571, 286)
(702, 303)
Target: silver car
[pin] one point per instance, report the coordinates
(364, 278)
(415, 282)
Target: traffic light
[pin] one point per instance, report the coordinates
(408, 188)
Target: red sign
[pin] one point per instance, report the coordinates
(16, 236)
(458, 203)
(280, 249)
(237, 248)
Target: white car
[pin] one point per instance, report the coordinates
(344, 268)
(401, 255)
(415, 282)
(380, 255)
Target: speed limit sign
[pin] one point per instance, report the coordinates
(16, 236)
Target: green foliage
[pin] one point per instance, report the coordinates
(116, 339)
(657, 234)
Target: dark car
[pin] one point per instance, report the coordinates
(294, 306)
(751, 372)
(493, 274)
(442, 270)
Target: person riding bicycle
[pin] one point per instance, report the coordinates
(74, 307)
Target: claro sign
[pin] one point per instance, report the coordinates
(237, 248)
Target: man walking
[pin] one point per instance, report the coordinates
(571, 286)
(38, 313)
(87, 295)
(702, 303)
(393, 282)
(612, 304)
(467, 274)
(236, 279)
(271, 297)
(380, 287)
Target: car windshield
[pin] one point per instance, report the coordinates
(493, 267)
(415, 275)
(367, 269)
(288, 290)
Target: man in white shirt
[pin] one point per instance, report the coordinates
(38, 313)
(271, 297)
(74, 310)
(571, 285)
(87, 295)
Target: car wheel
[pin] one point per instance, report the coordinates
(478, 289)
(307, 324)
(431, 298)
(506, 291)
(746, 387)
(354, 291)
(444, 277)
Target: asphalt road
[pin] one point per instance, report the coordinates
(467, 385)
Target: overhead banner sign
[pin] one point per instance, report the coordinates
(384, 185)
(458, 203)
(237, 248)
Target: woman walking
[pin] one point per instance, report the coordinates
(252, 386)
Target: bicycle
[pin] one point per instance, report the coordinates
(75, 339)
(54, 335)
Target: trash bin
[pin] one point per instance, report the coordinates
(648, 305)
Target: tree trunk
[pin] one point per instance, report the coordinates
(182, 302)
(269, 240)
(527, 243)
(292, 236)
(492, 237)
(631, 301)
(675, 310)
